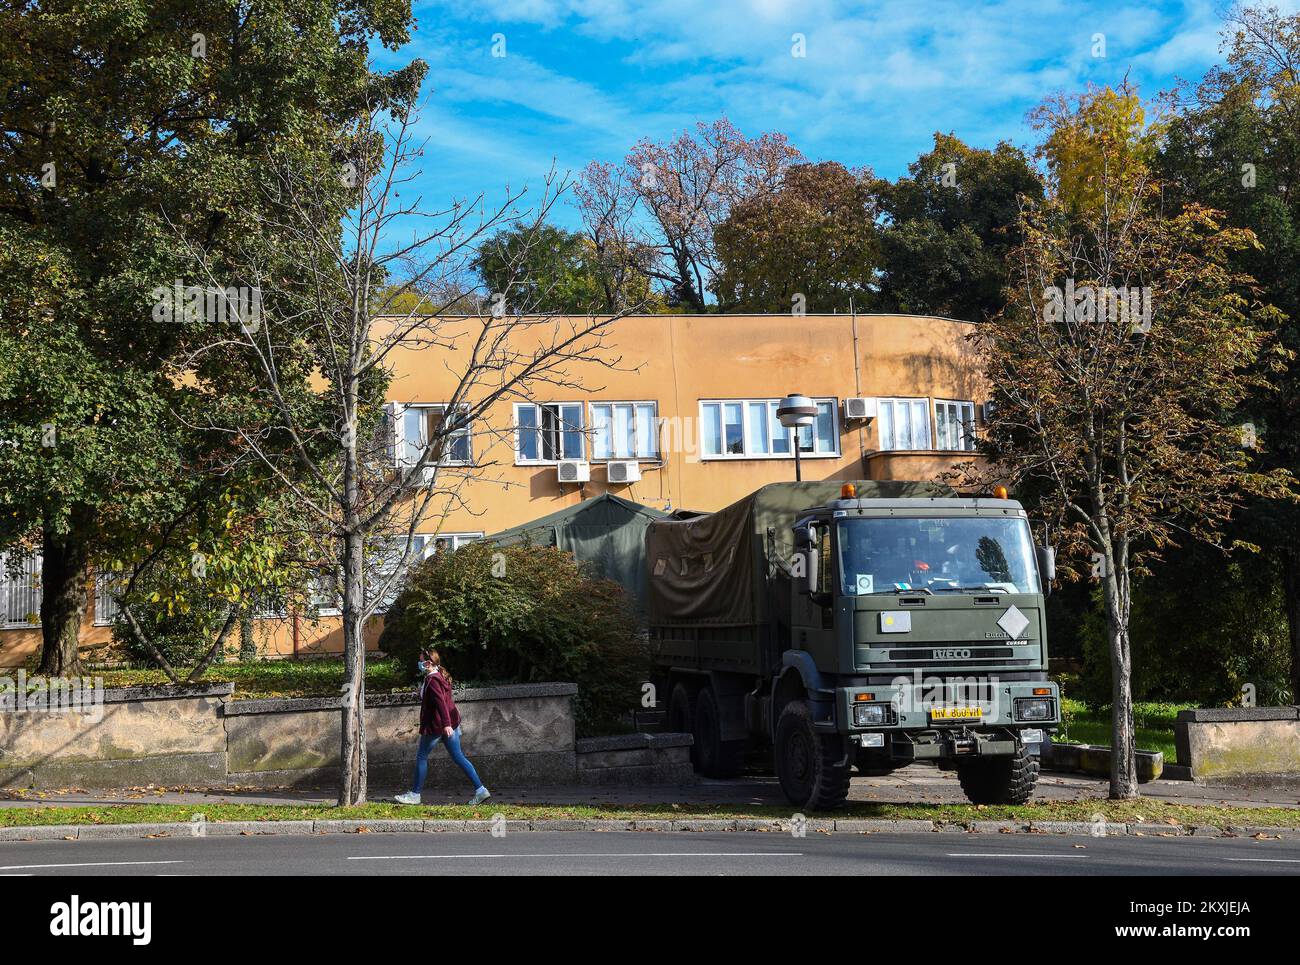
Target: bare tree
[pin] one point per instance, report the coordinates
(358, 299)
(685, 187)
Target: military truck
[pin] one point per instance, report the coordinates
(869, 624)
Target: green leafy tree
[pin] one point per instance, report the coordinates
(813, 236)
(127, 128)
(549, 270)
(125, 125)
(948, 227)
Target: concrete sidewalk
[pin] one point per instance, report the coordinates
(917, 784)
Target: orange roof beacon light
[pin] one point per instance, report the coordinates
(999, 492)
(848, 491)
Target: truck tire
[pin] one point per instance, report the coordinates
(681, 719)
(999, 780)
(717, 758)
(808, 763)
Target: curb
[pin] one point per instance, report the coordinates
(200, 829)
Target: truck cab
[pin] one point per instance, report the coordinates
(921, 624)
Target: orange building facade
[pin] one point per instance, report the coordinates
(679, 415)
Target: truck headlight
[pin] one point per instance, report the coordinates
(868, 715)
(1035, 708)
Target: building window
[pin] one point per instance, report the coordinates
(954, 425)
(419, 423)
(20, 591)
(749, 429)
(903, 424)
(624, 430)
(548, 432)
(447, 541)
(382, 563)
(108, 589)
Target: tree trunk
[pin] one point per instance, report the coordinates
(1291, 602)
(352, 785)
(64, 567)
(1123, 764)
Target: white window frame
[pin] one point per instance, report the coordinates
(22, 587)
(400, 442)
(648, 454)
(926, 407)
(967, 409)
(425, 546)
(107, 606)
(537, 408)
(830, 402)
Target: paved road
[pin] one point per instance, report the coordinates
(624, 853)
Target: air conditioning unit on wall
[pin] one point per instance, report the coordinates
(623, 471)
(573, 471)
(859, 408)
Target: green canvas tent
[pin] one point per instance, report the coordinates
(606, 531)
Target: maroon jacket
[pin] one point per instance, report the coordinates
(437, 709)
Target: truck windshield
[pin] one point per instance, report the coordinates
(948, 554)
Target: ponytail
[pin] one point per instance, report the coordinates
(431, 656)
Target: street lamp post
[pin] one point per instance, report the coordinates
(794, 412)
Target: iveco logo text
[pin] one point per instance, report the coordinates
(952, 654)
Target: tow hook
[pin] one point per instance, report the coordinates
(964, 743)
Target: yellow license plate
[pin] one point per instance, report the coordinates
(956, 713)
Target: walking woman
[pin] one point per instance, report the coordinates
(439, 721)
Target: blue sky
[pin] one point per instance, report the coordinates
(583, 80)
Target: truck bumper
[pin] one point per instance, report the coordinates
(936, 746)
(929, 720)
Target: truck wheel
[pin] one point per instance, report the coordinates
(999, 780)
(680, 718)
(717, 758)
(807, 762)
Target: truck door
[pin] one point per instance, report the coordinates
(813, 614)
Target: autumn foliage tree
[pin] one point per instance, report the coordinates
(1127, 345)
(813, 236)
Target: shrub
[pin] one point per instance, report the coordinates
(182, 636)
(545, 617)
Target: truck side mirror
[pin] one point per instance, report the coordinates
(811, 561)
(1047, 567)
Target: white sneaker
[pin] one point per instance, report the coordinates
(481, 795)
(410, 797)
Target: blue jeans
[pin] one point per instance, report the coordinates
(427, 742)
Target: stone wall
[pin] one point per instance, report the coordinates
(520, 734)
(1239, 743)
(138, 736)
(199, 737)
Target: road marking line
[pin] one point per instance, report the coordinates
(83, 864)
(1272, 860)
(587, 854)
(982, 854)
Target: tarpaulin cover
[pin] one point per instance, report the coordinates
(606, 531)
(712, 568)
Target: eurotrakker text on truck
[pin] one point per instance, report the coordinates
(872, 624)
